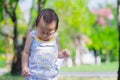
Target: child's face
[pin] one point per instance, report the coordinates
(46, 31)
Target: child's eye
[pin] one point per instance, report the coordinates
(43, 32)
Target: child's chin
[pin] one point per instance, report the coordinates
(47, 39)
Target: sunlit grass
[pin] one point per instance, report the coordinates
(10, 77)
(104, 67)
(87, 78)
(113, 66)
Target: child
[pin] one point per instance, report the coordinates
(41, 49)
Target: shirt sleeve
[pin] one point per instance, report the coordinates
(33, 33)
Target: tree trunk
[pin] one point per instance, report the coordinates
(16, 63)
(95, 54)
(108, 57)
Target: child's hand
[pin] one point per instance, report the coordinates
(65, 53)
(25, 72)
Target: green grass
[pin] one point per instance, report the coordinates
(87, 78)
(10, 77)
(104, 67)
(113, 66)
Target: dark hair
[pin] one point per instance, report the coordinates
(48, 16)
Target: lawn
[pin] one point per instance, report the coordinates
(87, 78)
(111, 67)
(104, 67)
(9, 77)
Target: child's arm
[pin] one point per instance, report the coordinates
(25, 56)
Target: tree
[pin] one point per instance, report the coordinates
(106, 26)
(10, 8)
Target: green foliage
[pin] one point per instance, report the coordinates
(3, 42)
(1, 11)
(106, 38)
(22, 29)
(2, 60)
(34, 16)
(10, 4)
(2, 63)
(103, 38)
(22, 26)
(20, 15)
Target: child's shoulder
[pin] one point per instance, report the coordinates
(56, 34)
(32, 33)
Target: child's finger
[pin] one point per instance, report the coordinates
(67, 53)
(25, 73)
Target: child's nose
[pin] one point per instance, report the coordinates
(45, 35)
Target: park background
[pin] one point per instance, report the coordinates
(88, 28)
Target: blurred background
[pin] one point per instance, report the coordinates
(88, 28)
